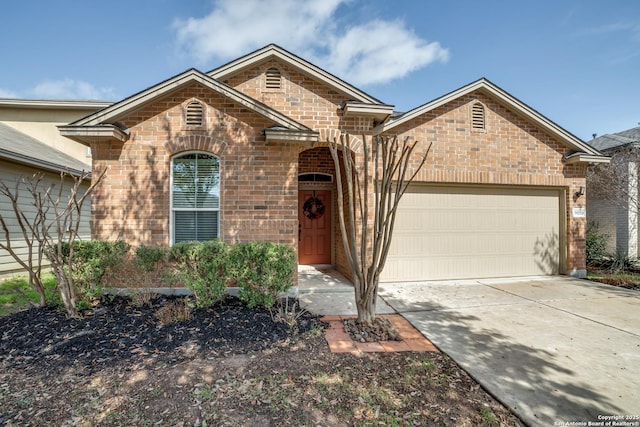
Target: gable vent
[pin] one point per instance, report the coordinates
(273, 80)
(477, 116)
(194, 114)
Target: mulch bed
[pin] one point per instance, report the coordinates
(118, 331)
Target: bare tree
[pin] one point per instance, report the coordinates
(617, 181)
(30, 225)
(51, 229)
(384, 177)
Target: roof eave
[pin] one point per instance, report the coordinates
(577, 158)
(288, 135)
(120, 109)
(88, 134)
(42, 164)
(378, 112)
(56, 104)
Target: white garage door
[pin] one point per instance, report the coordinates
(449, 232)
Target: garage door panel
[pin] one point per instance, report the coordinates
(453, 232)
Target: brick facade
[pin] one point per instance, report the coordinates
(259, 180)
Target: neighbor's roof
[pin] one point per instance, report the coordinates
(21, 148)
(617, 140)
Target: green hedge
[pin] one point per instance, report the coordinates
(203, 267)
(263, 270)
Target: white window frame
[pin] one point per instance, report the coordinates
(172, 210)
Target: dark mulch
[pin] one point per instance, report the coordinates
(117, 331)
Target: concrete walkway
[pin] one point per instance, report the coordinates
(324, 291)
(555, 350)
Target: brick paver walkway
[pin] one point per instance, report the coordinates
(340, 342)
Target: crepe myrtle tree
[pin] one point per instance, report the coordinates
(617, 181)
(376, 182)
(48, 227)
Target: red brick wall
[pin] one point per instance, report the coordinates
(259, 181)
(510, 151)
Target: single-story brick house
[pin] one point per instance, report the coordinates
(237, 153)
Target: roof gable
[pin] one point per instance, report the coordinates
(272, 51)
(114, 112)
(517, 106)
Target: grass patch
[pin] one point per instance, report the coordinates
(16, 294)
(627, 278)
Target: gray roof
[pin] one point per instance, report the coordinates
(22, 148)
(616, 140)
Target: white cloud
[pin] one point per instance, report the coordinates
(374, 52)
(70, 89)
(6, 93)
(395, 53)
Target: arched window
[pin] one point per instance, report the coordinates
(195, 197)
(477, 117)
(195, 114)
(273, 79)
(315, 177)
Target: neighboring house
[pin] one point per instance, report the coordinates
(613, 191)
(30, 143)
(238, 153)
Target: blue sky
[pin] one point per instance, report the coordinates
(576, 62)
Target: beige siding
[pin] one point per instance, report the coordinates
(9, 173)
(449, 232)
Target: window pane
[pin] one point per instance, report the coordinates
(208, 182)
(196, 181)
(184, 176)
(193, 225)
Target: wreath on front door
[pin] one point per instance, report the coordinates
(313, 208)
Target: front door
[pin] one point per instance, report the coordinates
(314, 232)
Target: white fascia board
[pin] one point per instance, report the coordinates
(282, 135)
(86, 134)
(497, 93)
(587, 158)
(313, 71)
(57, 104)
(377, 111)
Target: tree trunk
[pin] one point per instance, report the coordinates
(365, 303)
(67, 293)
(35, 282)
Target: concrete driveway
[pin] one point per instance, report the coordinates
(556, 350)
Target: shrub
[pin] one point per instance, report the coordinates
(263, 270)
(619, 262)
(203, 267)
(147, 257)
(596, 244)
(91, 259)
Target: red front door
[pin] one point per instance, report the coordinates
(314, 216)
